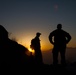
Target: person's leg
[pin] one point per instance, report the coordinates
(55, 58)
(63, 60)
(38, 56)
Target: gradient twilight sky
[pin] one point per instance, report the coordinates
(23, 18)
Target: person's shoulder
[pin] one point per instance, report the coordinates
(34, 39)
(65, 31)
(54, 31)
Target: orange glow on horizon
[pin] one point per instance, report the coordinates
(31, 50)
(45, 44)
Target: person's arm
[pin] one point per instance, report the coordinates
(51, 38)
(68, 37)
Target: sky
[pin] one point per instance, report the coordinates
(24, 18)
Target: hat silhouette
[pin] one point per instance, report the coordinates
(38, 33)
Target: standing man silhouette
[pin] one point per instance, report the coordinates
(59, 38)
(35, 44)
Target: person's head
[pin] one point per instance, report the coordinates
(3, 32)
(59, 26)
(38, 34)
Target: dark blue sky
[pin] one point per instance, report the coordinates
(23, 18)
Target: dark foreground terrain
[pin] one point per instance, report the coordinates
(46, 69)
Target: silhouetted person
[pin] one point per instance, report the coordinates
(59, 38)
(35, 44)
